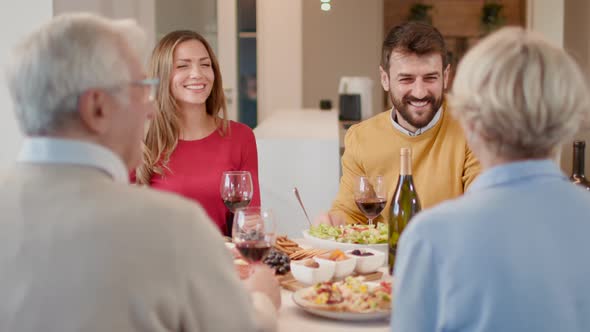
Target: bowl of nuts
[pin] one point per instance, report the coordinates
(367, 260)
(343, 264)
(310, 272)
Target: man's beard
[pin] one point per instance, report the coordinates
(402, 106)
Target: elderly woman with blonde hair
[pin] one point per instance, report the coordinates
(511, 254)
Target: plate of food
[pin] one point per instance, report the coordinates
(349, 299)
(348, 237)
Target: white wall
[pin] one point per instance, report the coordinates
(345, 41)
(16, 20)
(279, 50)
(547, 18)
(197, 15)
(143, 11)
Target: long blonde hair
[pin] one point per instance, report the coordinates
(164, 130)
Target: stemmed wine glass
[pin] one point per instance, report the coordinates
(370, 195)
(236, 189)
(253, 232)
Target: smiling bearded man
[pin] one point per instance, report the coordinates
(414, 72)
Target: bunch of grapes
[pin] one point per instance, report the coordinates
(278, 260)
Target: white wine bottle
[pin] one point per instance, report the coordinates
(405, 204)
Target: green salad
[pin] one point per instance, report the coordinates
(358, 234)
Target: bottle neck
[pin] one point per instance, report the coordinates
(578, 164)
(405, 165)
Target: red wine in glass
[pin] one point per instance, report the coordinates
(370, 196)
(253, 251)
(253, 232)
(236, 189)
(371, 207)
(236, 192)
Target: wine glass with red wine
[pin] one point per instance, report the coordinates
(236, 189)
(253, 233)
(370, 196)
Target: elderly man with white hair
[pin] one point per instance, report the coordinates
(512, 253)
(81, 249)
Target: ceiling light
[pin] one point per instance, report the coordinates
(326, 6)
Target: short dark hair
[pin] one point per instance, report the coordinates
(413, 38)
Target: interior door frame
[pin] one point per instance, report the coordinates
(227, 53)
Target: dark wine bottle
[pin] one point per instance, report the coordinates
(578, 176)
(404, 204)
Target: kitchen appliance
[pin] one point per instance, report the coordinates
(356, 98)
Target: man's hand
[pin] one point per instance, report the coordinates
(263, 280)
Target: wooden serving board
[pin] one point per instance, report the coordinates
(288, 282)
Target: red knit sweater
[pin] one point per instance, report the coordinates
(195, 169)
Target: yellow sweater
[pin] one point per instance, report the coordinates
(442, 164)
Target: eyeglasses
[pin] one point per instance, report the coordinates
(151, 86)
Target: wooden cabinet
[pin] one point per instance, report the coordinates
(459, 21)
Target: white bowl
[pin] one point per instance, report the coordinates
(342, 268)
(316, 242)
(309, 275)
(368, 264)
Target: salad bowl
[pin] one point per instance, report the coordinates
(348, 237)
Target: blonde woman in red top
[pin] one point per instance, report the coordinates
(190, 142)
